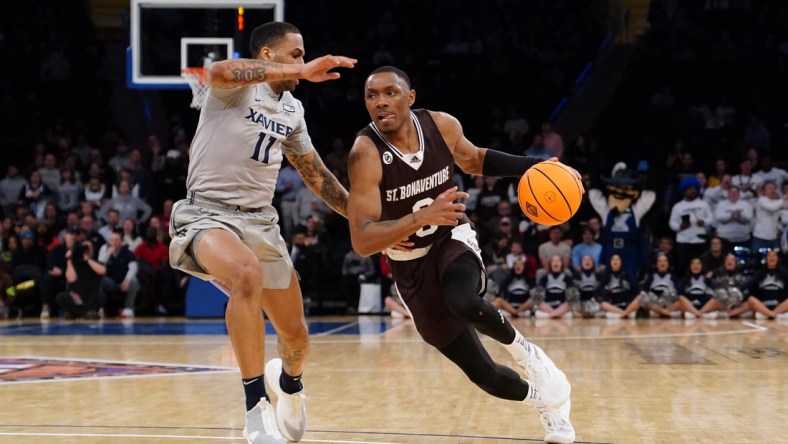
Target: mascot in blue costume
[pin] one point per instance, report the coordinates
(622, 206)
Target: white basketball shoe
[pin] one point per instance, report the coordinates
(260, 427)
(545, 376)
(556, 424)
(290, 409)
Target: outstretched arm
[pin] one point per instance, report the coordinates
(368, 234)
(481, 161)
(233, 73)
(320, 180)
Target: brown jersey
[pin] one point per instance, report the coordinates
(411, 181)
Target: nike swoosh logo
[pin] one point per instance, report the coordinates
(249, 382)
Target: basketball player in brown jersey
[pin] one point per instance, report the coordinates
(401, 168)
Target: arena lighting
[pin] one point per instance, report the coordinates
(240, 18)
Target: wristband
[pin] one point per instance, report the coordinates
(497, 163)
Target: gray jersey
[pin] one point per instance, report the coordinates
(240, 140)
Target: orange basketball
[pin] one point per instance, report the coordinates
(549, 193)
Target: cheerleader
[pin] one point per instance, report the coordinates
(659, 292)
(619, 291)
(766, 291)
(587, 281)
(554, 291)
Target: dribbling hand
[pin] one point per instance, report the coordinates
(443, 210)
(318, 69)
(577, 173)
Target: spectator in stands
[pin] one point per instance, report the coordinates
(553, 141)
(733, 218)
(84, 298)
(690, 219)
(112, 224)
(127, 176)
(140, 176)
(554, 291)
(538, 148)
(52, 217)
(770, 173)
(50, 173)
(88, 225)
(154, 266)
(130, 237)
(747, 182)
(121, 160)
(95, 191)
(27, 265)
(128, 206)
(308, 204)
(288, 184)
(503, 212)
(515, 123)
(355, 271)
(492, 193)
(336, 158)
(765, 224)
(10, 189)
(714, 194)
(555, 247)
(69, 193)
(765, 291)
(517, 253)
(619, 291)
(713, 258)
(494, 255)
(720, 170)
(587, 247)
(54, 280)
(35, 194)
(121, 274)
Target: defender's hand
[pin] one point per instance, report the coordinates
(318, 69)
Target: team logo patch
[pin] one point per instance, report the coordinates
(388, 158)
(34, 369)
(549, 197)
(288, 108)
(530, 209)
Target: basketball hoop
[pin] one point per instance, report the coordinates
(196, 79)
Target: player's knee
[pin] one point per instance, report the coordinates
(247, 281)
(295, 336)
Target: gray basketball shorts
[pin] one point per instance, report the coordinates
(258, 231)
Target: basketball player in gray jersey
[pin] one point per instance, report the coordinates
(400, 170)
(226, 229)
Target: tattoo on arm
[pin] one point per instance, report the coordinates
(318, 178)
(251, 70)
(249, 74)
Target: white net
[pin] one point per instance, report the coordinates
(196, 79)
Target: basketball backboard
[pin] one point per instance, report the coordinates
(169, 35)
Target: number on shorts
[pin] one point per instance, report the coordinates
(427, 229)
(256, 155)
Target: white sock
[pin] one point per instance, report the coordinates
(520, 349)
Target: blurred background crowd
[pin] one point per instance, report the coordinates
(695, 110)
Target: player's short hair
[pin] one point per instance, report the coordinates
(269, 34)
(398, 72)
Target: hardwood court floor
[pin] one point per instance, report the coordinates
(372, 381)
